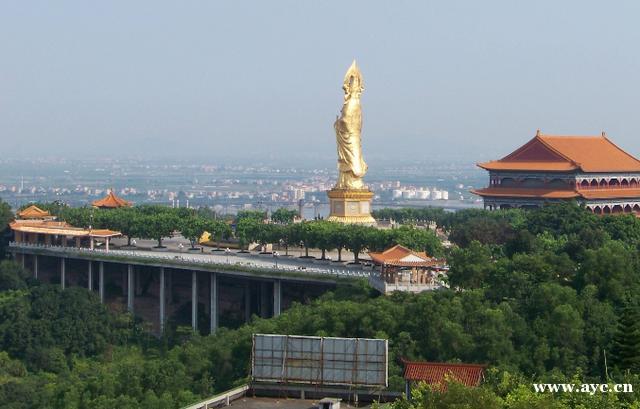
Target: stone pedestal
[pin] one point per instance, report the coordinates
(351, 206)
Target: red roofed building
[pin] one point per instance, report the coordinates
(437, 373)
(406, 269)
(111, 201)
(589, 169)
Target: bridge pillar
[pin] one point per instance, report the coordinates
(247, 302)
(130, 287)
(194, 300)
(213, 302)
(63, 272)
(35, 266)
(277, 297)
(162, 300)
(264, 299)
(90, 275)
(101, 281)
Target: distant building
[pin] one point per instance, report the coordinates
(589, 169)
(111, 201)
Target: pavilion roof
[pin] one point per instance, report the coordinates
(562, 153)
(435, 373)
(111, 201)
(401, 256)
(59, 228)
(34, 212)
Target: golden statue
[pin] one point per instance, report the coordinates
(350, 200)
(351, 165)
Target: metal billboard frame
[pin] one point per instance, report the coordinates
(320, 360)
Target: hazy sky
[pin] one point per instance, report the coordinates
(224, 79)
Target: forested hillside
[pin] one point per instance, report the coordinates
(539, 296)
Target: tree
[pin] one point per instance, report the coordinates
(248, 230)
(321, 236)
(339, 236)
(220, 230)
(12, 276)
(6, 216)
(192, 228)
(159, 226)
(283, 216)
(626, 341)
(470, 265)
(358, 239)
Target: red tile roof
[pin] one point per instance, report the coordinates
(556, 153)
(623, 193)
(111, 201)
(401, 256)
(434, 373)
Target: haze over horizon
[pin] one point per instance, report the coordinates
(244, 79)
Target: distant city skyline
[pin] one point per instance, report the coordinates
(256, 79)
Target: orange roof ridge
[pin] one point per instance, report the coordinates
(556, 153)
(111, 201)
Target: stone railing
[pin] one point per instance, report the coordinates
(385, 288)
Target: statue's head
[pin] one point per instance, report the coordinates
(353, 84)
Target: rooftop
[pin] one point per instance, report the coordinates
(562, 153)
(434, 373)
(34, 212)
(401, 256)
(111, 201)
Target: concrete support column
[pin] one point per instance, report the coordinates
(90, 276)
(92, 244)
(277, 297)
(78, 242)
(162, 299)
(213, 302)
(101, 281)
(107, 243)
(194, 300)
(247, 302)
(130, 286)
(35, 266)
(63, 272)
(264, 299)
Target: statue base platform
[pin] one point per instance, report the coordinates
(351, 206)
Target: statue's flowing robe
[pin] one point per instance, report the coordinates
(348, 128)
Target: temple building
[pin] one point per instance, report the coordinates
(38, 227)
(591, 170)
(111, 201)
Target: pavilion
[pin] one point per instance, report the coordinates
(591, 170)
(402, 267)
(111, 201)
(38, 227)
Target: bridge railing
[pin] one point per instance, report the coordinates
(203, 260)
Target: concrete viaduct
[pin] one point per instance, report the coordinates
(168, 290)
